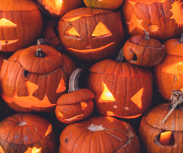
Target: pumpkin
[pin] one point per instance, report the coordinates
(57, 8)
(75, 105)
(99, 134)
(160, 130)
(32, 79)
(91, 34)
(170, 69)
(162, 19)
(120, 89)
(26, 133)
(103, 4)
(21, 24)
(143, 51)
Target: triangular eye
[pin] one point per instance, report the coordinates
(71, 31)
(101, 30)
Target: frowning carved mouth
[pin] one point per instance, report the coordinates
(91, 50)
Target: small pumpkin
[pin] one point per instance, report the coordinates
(75, 105)
(143, 51)
(99, 134)
(26, 133)
(32, 79)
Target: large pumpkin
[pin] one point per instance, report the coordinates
(170, 69)
(99, 135)
(120, 89)
(91, 34)
(21, 24)
(32, 79)
(162, 19)
(26, 133)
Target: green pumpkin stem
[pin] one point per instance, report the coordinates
(146, 35)
(181, 38)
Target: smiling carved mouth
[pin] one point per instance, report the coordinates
(91, 50)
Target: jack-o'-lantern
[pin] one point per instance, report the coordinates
(103, 4)
(99, 135)
(162, 19)
(21, 24)
(91, 34)
(57, 8)
(27, 133)
(32, 79)
(170, 69)
(143, 51)
(160, 133)
(120, 89)
(75, 105)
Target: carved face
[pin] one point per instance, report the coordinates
(162, 23)
(91, 36)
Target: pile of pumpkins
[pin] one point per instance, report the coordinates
(90, 76)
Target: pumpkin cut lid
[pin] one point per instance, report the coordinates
(17, 5)
(50, 61)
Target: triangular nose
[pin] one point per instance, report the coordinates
(88, 46)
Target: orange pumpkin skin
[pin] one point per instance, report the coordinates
(99, 134)
(30, 83)
(143, 51)
(129, 88)
(104, 4)
(170, 69)
(162, 19)
(25, 133)
(26, 24)
(151, 126)
(91, 43)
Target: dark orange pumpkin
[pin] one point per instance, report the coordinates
(91, 34)
(32, 79)
(162, 19)
(143, 51)
(21, 24)
(75, 105)
(169, 73)
(120, 89)
(26, 133)
(99, 135)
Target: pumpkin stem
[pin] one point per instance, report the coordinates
(181, 38)
(177, 98)
(146, 35)
(120, 56)
(22, 123)
(39, 53)
(74, 79)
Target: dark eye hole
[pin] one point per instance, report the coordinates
(26, 73)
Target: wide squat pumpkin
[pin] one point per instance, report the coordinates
(21, 24)
(170, 69)
(75, 105)
(162, 19)
(162, 131)
(26, 133)
(91, 34)
(120, 89)
(32, 79)
(99, 135)
(143, 50)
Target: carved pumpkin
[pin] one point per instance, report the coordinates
(91, 34)
(103, 4)
(26, 133)
(143, 51)
(75, 105)
(57, 8)
(120, 89)
(162, 19)
(170, 69)
(160, 135)
(99, 135)
(21, 24)
(32, 79)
